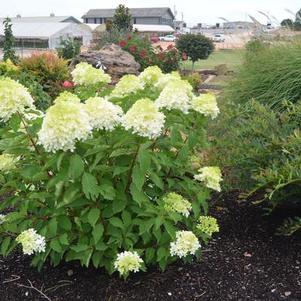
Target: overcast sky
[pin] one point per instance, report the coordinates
(194, 11)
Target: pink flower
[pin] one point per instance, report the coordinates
(68, 84)
(122, 43)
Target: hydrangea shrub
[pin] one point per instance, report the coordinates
(107, 180)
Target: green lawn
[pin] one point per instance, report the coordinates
(231, 57)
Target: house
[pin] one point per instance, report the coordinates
(150, 16)
(52, 18)
(47, 35)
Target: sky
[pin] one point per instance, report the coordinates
(194, 11)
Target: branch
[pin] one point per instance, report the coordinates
(34, 288)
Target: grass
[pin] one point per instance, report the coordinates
(231, 57)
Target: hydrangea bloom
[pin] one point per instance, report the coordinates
(31, 242)
(103, 114)
(164, 80)
(144, 119)
(208, 225)
(176, 203)
(86, 74)
(176, 95)
(151, 75)
(63, 125)
(186, 243)
(205, 104)
(67, 96)
(13, 98)
(2, 218)
(128, 84)
(128, 262)
(7, 162)
(211, 176)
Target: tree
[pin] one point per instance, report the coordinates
(287, 23)
(9, 41)
(122, 19)
(196, 46)
(68, 49)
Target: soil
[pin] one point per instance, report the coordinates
(245, 261)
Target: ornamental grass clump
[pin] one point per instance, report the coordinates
(106, 181)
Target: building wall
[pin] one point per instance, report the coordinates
(147, 20)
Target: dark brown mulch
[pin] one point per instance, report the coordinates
(245, 261)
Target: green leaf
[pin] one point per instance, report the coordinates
(157, 180)
(161, 253)
(56, 246)
(64, 239)
(76, 166)
(64, 222)
(116, 222)
(93, 216)
(170, 229)
(107, 191)
(52, 227)
(97, 233)
(118, 170)
(79, 248)
(138, 177)
(144, 159)
(5, 245)
(138, 196)
(118, 205)
(90, 186)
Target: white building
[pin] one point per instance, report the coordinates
(47, 34)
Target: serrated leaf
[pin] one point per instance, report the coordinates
(56, 246)
(64, 222)
(93, 216)
(52, 227)
(144, 159)
(90, 186)
(138, 177)
(97, 233)
(138, 196)
(76, 166)
(116, 222)
(170, 229)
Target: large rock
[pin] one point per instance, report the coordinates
(116, 61)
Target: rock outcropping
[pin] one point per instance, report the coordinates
(112, 59)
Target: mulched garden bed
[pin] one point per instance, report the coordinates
(245, 261)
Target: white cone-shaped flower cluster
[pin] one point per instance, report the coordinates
(13, 98)
(211, 176)
(144, 119)
(205, 104)
(174, 202)
(67, 96)
(2, 218)
(176, 95)
(103, 114)
(151, 75)
(65, 123)
(128, 262)
(164, 80)
(127, 85)
(86, 74)
(31, 242)
(186, 244)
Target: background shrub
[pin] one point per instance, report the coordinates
(48, 69)
(68, 49)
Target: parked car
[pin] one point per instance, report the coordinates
(154, 39)
(218, 38)
(168, 38)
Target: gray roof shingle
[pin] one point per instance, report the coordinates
(135, 12)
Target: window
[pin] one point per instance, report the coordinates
(135, 21)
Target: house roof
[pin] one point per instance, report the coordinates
(135, 12)
(35, 30)
(43, 19)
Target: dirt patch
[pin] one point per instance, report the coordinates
(245, 261)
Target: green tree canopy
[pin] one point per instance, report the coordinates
(9, 42)
(122, 19)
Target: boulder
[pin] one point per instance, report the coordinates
(112, 58)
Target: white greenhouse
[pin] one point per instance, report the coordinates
(47, 35)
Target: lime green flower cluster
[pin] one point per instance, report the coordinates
(127, 85)
(144, 119)
(7, 162)
(128, 262)
(86, 74)
(211, 176)
(67, 96)
(31, 242)
(103, 114)
(186, 243)
(164, 80)
(151, 75)
(207, 225)
(14, 98)
(205, 104)
(177, 94)
(64, 123)
(174, 202)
